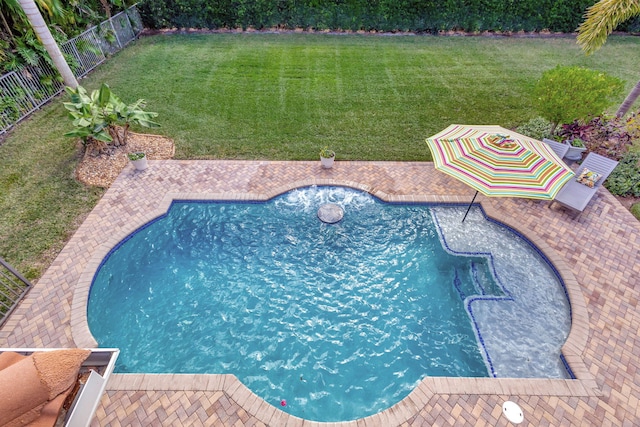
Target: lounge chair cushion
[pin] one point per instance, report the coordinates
(588, 178)
(32, 383)
(8, 358)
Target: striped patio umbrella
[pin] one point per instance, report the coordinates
(498, 162)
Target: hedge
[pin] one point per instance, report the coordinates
(430, 16)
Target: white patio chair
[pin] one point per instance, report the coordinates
(559, 148)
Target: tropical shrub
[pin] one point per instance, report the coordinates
(635, 210)
(575, 129)
(20, 46)
(577, 142)
(633, 125)
(625, 178)
(102, 118)
(608, 137)
(136, 156)
(9, 108)
(381, 15)
(537, 128)
(564, 94)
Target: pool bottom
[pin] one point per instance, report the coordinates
(368, 312)
(309, 378)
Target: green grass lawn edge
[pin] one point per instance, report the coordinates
(281, 97)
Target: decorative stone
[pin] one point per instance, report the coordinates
(330, 213)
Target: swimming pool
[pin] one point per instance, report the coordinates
(351, 300)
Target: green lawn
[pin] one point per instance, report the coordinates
(282, 96)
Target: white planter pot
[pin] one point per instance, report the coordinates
(327, 162)
(140, 164)
(574, 153)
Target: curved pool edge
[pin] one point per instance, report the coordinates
(578, 335)
(583, 385)
(395, 415)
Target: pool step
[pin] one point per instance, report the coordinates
(457, 284)
(481, 283)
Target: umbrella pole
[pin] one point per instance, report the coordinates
(469, 208)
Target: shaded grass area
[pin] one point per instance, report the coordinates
(41, 203)
(282, 96)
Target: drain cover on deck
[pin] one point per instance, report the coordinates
(513, 412)
(330, 213)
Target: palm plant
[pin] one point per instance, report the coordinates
(600, 21)
(102, 117)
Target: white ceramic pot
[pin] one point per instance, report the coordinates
(574, 153)
(327, 162)
(140, 164)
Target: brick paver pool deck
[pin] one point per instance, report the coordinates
(597, 255)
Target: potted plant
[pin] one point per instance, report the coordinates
(139, 160)
(327, 156)
(576, 148)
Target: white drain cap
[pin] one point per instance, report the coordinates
(513, 412)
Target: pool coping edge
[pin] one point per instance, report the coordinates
(583, 385)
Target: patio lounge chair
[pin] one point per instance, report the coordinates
(53, 387)
(575, 194)
(559, 148)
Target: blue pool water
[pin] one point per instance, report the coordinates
(341, 321)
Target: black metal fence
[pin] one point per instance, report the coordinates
(13, 286)
(24, 91)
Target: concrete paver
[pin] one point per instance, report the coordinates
(597, 254)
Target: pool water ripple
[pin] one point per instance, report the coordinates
(342, 321)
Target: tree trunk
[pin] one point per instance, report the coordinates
(106, 8)
(629, 100)
(114, 131)
(42, 31)
(125, 133)
(6, 26)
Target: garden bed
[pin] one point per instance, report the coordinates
(101, 170)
